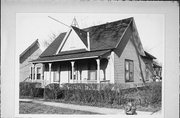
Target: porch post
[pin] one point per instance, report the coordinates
(59, 75)
(50, 72)
(98, 70)
(33, 73)
(30, 76)
(72, 67)
(42, 72)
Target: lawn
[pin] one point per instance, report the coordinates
(35, 108)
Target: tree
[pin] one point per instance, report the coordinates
(51, 38)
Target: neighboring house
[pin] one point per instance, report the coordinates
(29, 72)
(157, 71)
(149, 61)
(107, 53)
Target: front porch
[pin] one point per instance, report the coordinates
(93, 70)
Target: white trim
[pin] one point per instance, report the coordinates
(66, 59)
(112, 67)
(88, 42)
(98, 70)
(63, 42)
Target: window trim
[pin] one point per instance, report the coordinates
(38, 73)
(130, 79)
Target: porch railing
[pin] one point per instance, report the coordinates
(84, 81)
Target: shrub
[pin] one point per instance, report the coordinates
(53, 91)
(29, 89)
(118, 94)
(106, 94)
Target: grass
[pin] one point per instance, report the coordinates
(36, 108)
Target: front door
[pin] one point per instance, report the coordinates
(64, 73)
(92, 71)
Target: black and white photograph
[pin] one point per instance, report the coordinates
(74, 63)
(89, 59)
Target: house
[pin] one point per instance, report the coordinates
(157, 71)
(149, 62)
(28, 72)
(106, 53)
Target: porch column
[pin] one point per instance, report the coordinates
(59, 74)
(98, 70)
(33, 72)
(42, 72)
(30, 76)
(72, 68)
(50, 72)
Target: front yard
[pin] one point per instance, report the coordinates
(146, 98)
(36, 108)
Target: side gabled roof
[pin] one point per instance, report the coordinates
(32, 45)
(148, 55)
(29, 51)
(102, 37)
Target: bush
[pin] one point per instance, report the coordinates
(29, 89)
(106, 94)
(113, 94)
(53, 91)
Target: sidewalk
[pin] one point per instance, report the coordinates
(85, 108)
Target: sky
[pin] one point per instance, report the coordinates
(32, 26)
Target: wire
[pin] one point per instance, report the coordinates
(59, 21)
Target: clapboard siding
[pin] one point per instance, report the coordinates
(26, 65)
(129, 52)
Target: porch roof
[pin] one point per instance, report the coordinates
(72, 56)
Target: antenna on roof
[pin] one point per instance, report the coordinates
(59, 22)
(74, 23)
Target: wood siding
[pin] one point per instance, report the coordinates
(25, 66)
(129, 52)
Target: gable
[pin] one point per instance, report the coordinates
(132, 32)
(73, 42)
(30, 51)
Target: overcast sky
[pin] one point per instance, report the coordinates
(32, 26)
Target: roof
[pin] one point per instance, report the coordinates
(102, 38)
(33, 44)
(156, 65)
(82, 34)
(148, 55)
(105, 36)
(73, 56)
(29, 51)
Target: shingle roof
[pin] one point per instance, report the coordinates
(29, 51)
(52, 48)
(102, 37)
(74, 56)
(148, 55)
(105, 36)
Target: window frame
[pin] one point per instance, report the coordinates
(131, 79)
(38, 74)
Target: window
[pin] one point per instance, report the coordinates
(31, 77)
(38, 73)
(129, 71)
(56, 76)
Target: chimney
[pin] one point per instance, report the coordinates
(88, 41)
